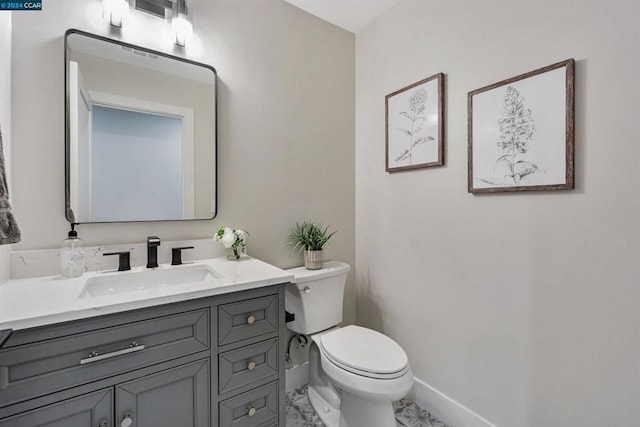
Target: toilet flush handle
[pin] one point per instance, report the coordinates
(307, 290)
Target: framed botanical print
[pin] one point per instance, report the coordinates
(414, 118)
(521, 132)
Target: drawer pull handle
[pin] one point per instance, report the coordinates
(126, 420)
(103, 424)
(252, 411)
(251, 365)
(94, 356)
(251, 319)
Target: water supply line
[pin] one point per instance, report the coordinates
(302, 342)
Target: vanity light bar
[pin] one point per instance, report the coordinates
(154, 7)
(115, 12)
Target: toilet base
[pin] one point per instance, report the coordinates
(328, 414)
(358, 412)
(354, 411)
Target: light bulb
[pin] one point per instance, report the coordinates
(182, 29)
(115, 11)
(181, 22)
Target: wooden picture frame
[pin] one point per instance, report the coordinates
(521, 132)
(414, 125)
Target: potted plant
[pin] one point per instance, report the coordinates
(310, 237)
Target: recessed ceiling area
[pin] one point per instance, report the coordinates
(352, 15)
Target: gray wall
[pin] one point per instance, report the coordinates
(522, 307)
(285, 123)
(5, 120)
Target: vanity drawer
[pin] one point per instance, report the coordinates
(251, 409)
(247, 319)
(91, 409)
(43, 367)
(247, 364)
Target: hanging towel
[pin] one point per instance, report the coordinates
(9, 231)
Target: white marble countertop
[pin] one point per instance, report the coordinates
(27, 303)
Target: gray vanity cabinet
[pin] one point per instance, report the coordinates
(247, 365)
(171, 398)
(93, 409)
(61, 362)
(252, 408)
(247, 319)
(210, 362)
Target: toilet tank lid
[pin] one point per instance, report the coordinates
(329, 269)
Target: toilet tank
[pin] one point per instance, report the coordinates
(315, 297)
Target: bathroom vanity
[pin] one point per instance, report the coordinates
(206, 353)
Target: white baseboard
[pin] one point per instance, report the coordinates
(296, 376)
(444, 407)
(437, 403)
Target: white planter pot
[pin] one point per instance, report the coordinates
(313, 260)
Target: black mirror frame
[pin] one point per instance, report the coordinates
(67, 155)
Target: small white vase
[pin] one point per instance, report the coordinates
(313, 260)
(235, 254)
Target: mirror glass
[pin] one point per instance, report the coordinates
(141, 133)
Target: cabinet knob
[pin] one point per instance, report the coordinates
(252, 411)
(251, 319)
(251, 365)
(126, 420)
(103, 424)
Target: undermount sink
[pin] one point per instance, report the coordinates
(150, 279)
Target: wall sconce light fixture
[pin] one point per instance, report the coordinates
(115, 11)
(181, 22)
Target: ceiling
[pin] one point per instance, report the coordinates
(352, 15)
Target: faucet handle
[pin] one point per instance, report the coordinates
(176, 255)
(124, 259)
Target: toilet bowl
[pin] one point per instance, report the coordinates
(354, 372)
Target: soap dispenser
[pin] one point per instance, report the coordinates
(72, 255)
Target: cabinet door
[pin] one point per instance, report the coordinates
(175, 397)
(91, 410)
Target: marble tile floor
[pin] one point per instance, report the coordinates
(301, 414)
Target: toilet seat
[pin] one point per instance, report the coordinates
(364, 352)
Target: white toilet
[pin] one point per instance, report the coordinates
(354, 372)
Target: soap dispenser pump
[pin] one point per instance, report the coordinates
(72, 255)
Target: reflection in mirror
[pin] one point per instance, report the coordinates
(141, 133)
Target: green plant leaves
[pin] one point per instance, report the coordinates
(309, 236)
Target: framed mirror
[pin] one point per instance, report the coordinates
(140, 133)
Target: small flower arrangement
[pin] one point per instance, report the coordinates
(235, 241)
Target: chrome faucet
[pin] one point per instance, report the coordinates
(152, 251)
